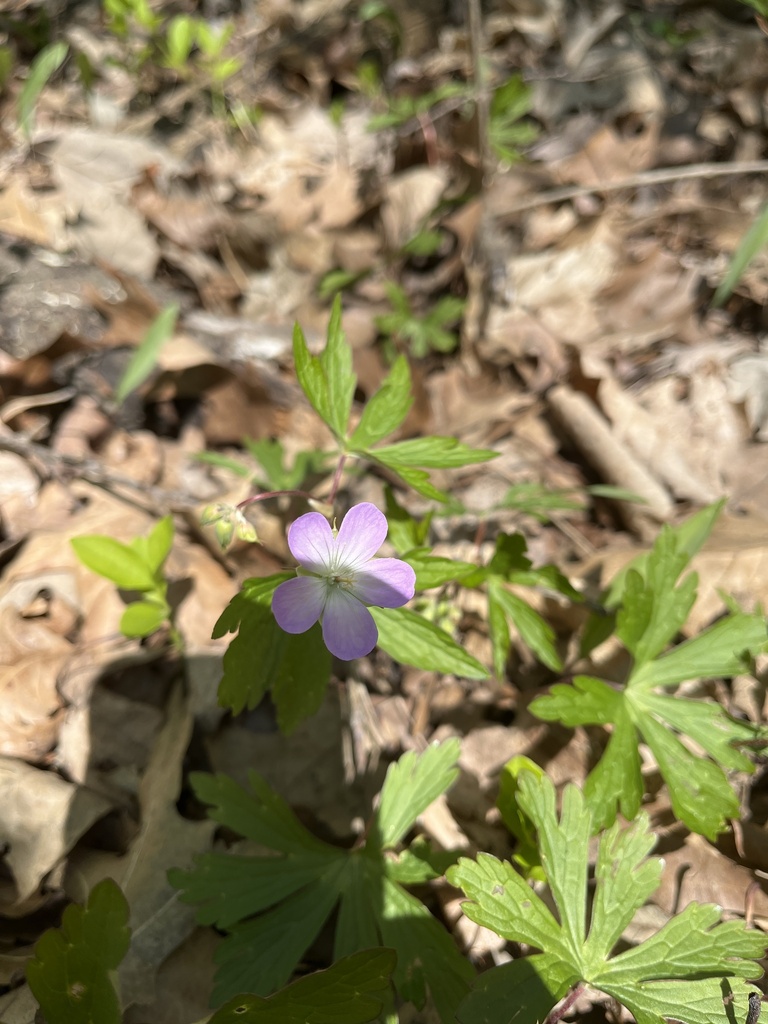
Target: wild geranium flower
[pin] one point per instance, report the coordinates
(338, 576)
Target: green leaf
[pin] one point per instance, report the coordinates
(327, 380)
(411, 785)
(145, 357)
(616, 781)
(159, 543)
(351, 991)
(432, 453)
(179, 40)
(693, 950)
(540, 502)
(498, 630)
(418, 479)
(45, 64)
(387, 409)
(114, 561)
(718, 651)
(405, 532)
(689, 536)
(653, 609)
(70, 974)
(411, 639)
(262, 658)
(261, 954)
(142, 618)
(519, 824)
(295, 888)
(535, 631)
(753, 242)
(427, 957)
(432, 571)
(699, 790)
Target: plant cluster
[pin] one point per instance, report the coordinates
(388, 947)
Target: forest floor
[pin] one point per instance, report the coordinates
(538, 214)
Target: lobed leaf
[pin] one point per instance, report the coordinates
(70, 973)
(411, 639)
(412, 783)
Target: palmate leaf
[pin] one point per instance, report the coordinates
(295, 669)
(296, 889)
(70, 975)
(352, 991)
(682, 972)
(652, 610)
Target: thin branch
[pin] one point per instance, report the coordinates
(659, 176)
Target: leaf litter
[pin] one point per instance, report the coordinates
(586, 354)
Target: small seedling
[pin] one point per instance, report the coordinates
(135, 567)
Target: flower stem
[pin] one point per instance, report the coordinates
(560, 1011)
(336, 478)
(275, 494)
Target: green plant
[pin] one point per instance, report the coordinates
(507, 131)
(72, 975)
(296, 888)
(686, 971)
(402, 109)
(144, 359)
(750, 246)
(137, 566)
(422, 334)
(47, 62)
(648, 605)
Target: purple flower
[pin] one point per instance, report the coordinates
(338, 576)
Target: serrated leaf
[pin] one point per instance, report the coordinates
(498, 630)
(258, 813)
(411, 785)
(699, 790)
(145, 357)
(386, 410)
(411, 639)
(653, 609)
(295, 668)
(418, 479)
(433, 571)
(693, 950)
(616, 781)
(294, 894)
(327, 380)
(534, 630)
(585, 701)
(260, 955)
(336, 361)
(519, 824)
(70, 973)
(432, 453)
(717, 651)
(427, 957)
(351, 991)
(689, 536)
(114, 561)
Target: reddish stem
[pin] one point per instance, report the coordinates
(275, 494)
(560, 1011)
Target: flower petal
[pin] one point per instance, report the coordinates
(360, 535)
(385, 582)
(310, 539)
(348, 627)
(297, 604)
